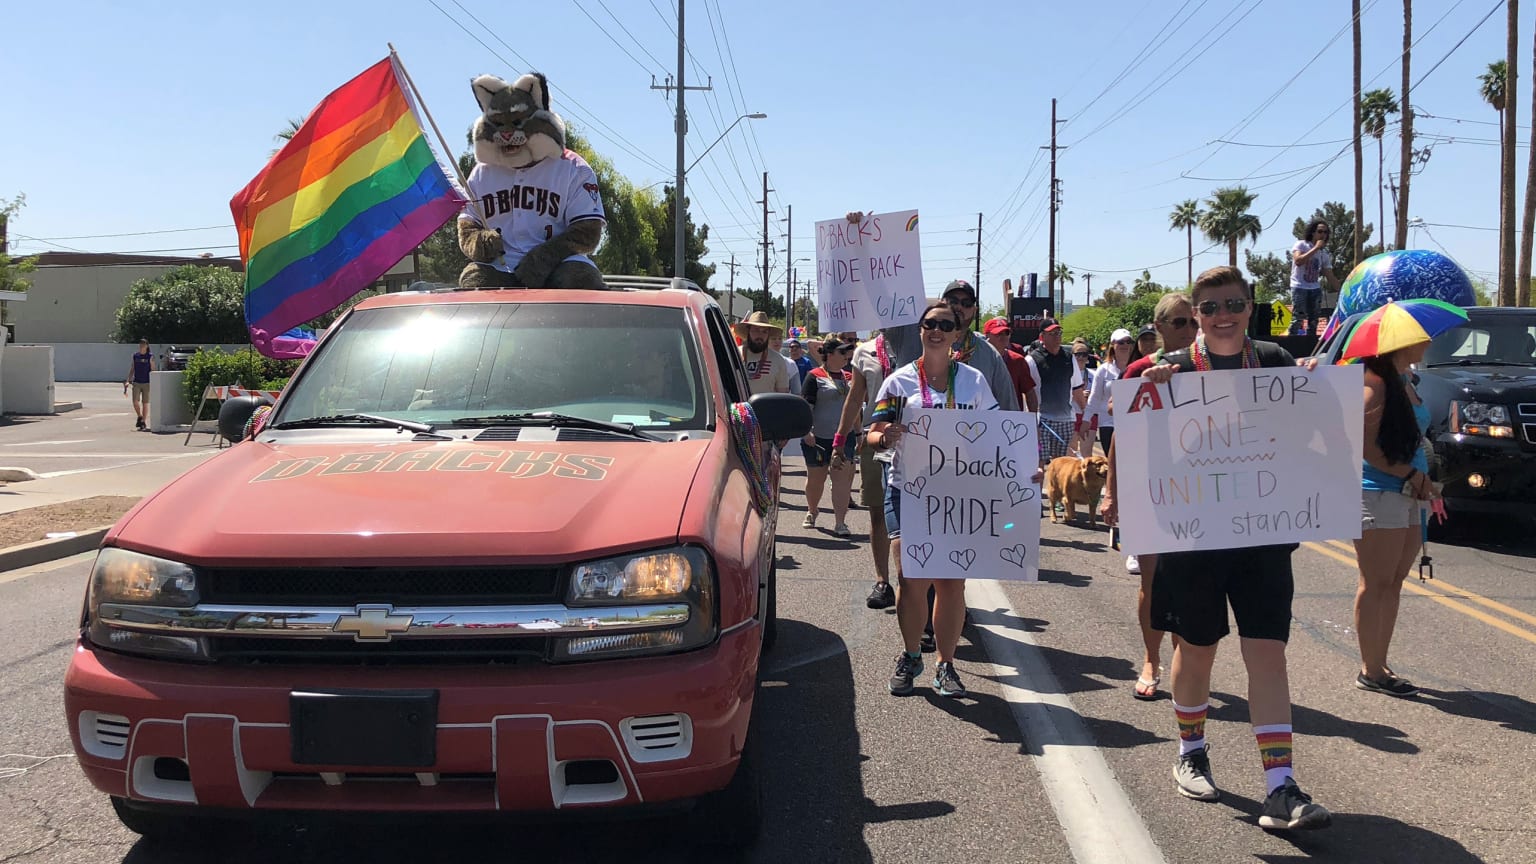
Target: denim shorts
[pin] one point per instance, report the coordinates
(892, 512)
(1384, 511)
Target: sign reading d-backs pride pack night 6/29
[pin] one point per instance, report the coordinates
(869, 274)
(1251, 457)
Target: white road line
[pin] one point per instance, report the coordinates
(150, 454)
(46, 566)
(41, 443)
(104, 414)
(1096, 816)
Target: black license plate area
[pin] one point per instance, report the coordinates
(364, 728)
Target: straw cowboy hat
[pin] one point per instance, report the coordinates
(756, 319)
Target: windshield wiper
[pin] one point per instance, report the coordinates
(346, 419)
(1467, 361)
(555, 420)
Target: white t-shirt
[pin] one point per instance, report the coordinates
(1098, 394)
(903, 390)
(531, 205)
(768, 372)
(1309, 273)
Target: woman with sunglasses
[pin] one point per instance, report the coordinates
(826, 388)
(935, 380)
(1121, 347)
(1192, 590)
(1173, 322)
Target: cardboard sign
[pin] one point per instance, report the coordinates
(869, 275)
(969, 508)
(1252, 457)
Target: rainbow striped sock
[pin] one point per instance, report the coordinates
(1191, 726)
(1275, 751)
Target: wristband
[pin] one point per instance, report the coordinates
(839, 440)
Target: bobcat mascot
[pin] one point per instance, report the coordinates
(538, 213)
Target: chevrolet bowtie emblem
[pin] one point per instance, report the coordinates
(373, 624)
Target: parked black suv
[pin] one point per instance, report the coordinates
(1479, 381)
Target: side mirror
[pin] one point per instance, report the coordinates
(235, 413)
(782, 415)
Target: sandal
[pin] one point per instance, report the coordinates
(1146, 690)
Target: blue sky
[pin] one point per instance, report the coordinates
(149, 116)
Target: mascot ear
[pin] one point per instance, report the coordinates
(537, 87)
(485, 87)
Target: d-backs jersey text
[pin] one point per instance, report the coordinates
(531, 205)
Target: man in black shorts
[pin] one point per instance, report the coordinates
(1191, 590)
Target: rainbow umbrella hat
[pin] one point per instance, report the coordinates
(1400, 324)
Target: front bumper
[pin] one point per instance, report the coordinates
(1507, 470)
(219, 737)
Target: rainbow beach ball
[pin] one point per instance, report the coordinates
(1404, 274)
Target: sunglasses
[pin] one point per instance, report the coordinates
(1124, 342)
(1080, 354)
(846, 349)
(1235, 305)
(962, 302)
(940, 324)
(1178, 323)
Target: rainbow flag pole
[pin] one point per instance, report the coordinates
(353, 192)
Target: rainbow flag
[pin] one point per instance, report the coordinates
(353, 192)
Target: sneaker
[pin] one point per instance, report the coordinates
(946, 682)
(1192, 773)
(907, 668)
(138, 423)
(809, 521)
(1132, 566)
(881, 596)
(926, 644)
(1391, 685)
(1288, 807)
(842, 530)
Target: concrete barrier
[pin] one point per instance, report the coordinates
(26, 380)
(168, 409)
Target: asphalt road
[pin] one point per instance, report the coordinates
(855, 774)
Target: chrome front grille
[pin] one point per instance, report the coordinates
(399, 586)
(1530, 433)
(1526, 409)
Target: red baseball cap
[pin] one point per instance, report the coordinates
(997, 325)
(1052, 327)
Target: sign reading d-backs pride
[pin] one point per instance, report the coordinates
(1251, 457)
(869, 274)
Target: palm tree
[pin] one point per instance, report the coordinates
(1493, 87)
(1226, 219)
(1374, 108)
(1186, 218)
(1405, 165)
(1064, 275)
(294, 125)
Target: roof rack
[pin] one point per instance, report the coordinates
(651, 283)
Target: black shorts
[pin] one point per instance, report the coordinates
(1191, 590)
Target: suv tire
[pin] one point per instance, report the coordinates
(166, 825)
(732, 819)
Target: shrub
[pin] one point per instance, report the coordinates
(215, 368)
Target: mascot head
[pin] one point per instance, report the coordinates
(516, 128)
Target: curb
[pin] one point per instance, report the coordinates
(28, 554)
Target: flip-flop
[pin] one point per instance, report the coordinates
(1146, 690)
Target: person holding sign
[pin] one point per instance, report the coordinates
(826, 388)
(934, 380)
(1191, 590)
(1395, 485)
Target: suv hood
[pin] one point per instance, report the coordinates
(1499, 383)
(459, 502)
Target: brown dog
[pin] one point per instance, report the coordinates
(1073, 481)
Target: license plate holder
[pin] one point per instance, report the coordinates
(364, 728)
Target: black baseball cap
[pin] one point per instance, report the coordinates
(958, 285)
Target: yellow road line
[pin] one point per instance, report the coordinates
(1438, 598)
(1458, 591)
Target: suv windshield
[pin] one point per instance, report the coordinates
(434, 363)
(1486, 339)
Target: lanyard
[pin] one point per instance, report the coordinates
(883, 356)
(922, 383)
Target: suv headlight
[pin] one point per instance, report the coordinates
(121, 578)
(681, 574)
(1481, 418)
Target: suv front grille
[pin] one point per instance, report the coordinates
(1526, 409)
(490, 650)
(399, 586)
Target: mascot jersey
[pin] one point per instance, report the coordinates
(531, 205)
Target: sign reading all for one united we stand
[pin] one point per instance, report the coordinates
(869, 274)
(1251, 457)
(969, 506)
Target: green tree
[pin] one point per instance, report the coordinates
(1493, 87)
(1186, 217)
(13, 271)
(191, 304)
(1064, 276)
(1114, 296)
(1090, 322)
(694, 243)
(438, 258)
(1341, 245)
(1270, 275)
(1375, 105)
(1145, 286)
(1226, 219)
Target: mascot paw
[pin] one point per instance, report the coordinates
(577, 276)
(478, 275)
(537, 265)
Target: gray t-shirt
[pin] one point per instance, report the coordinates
(826, 391)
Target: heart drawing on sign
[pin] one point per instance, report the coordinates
(1019, 494)
(971, 432)
(1016, 555)
(963, 558)
(921, 553)
(1015, 432)
(915, 488)
(919, 427)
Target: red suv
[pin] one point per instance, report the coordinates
(491, 551)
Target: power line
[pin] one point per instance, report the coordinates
(612, 38)
(638, 43)
(134, 233)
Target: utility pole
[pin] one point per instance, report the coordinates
(978, 264)
(1050, 273)
(730, 303)
(766, 211)
(789, 255)
(680, 124)
(1088, 280)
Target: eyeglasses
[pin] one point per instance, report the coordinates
(1178, 323)
(962, 302)
(940, 324)
(1080, 354)
(1234, 305)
